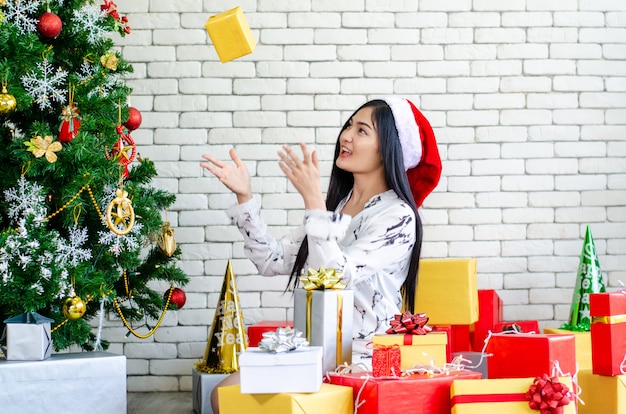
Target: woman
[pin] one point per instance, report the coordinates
(386, 163)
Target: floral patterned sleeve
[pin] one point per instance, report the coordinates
(380, 237)
(271, 256)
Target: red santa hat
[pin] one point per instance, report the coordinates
(419, 147)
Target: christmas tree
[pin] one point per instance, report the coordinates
(82, 230)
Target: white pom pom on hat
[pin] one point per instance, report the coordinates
(419, 147)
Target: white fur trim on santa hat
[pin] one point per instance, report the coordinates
(408, 131)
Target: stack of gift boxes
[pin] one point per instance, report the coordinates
(604, 385)
(457, 355)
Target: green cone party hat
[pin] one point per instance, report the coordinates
(589, 280)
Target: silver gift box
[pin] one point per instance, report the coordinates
(93, 382)
(28, 337)
(331, 326)
(202, 386)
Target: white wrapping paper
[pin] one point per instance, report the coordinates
(93, 382)
(325, 318)
(202, 386)
(286, 372)
(28, 337)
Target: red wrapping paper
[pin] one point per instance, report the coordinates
(416, 393)
(523, 326)
(489, 313)
(386, 361)
(255, 331)
(608, 332)
(530, 355)
(462, 339)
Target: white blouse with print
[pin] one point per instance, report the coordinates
(372, 250)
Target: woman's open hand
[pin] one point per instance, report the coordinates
(234, 176)
(304, 174)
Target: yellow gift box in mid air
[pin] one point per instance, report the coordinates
(447, 291)
(335, 399)
(230, 34)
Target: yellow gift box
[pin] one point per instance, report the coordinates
(230, 34)
(329, 399)
(601, 394)
(447, 291)
(497, 396)
(417, 349)
(583, 345)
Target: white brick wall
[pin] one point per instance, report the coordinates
(527, 98)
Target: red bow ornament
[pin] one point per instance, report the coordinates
(70, 123)
(409, 324)
(548, 395)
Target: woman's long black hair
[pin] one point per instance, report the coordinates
(341, 182)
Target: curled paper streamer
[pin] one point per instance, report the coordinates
(548, 395)
(322, 279)
(282, 340)
(409, 324)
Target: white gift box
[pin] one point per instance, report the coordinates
(93, 382)
(28, 337)
(296, 371)
(202, 385)
(330, 320)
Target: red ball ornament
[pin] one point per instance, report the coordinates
(49, 25)
(178, 297)
(134, 119)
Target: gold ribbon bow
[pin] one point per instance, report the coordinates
(322, 279)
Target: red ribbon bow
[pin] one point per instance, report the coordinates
(409, 324)
(548, 395)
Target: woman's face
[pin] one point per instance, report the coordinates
(359, 147)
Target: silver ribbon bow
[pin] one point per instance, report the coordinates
(282, 340)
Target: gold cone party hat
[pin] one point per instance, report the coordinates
(228, 337)
(589, 280)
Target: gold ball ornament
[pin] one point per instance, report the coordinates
(7, 102)
(74, 308)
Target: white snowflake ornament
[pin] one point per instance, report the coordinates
(43, 84)
(23, 14)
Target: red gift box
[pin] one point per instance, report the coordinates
(520, 355)
(255, 331)
(417, 393)
(462, 339)
(520, 326)
(386, 361)
(458, 338)
(449, 332)
(489, 313)
(608, 332)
